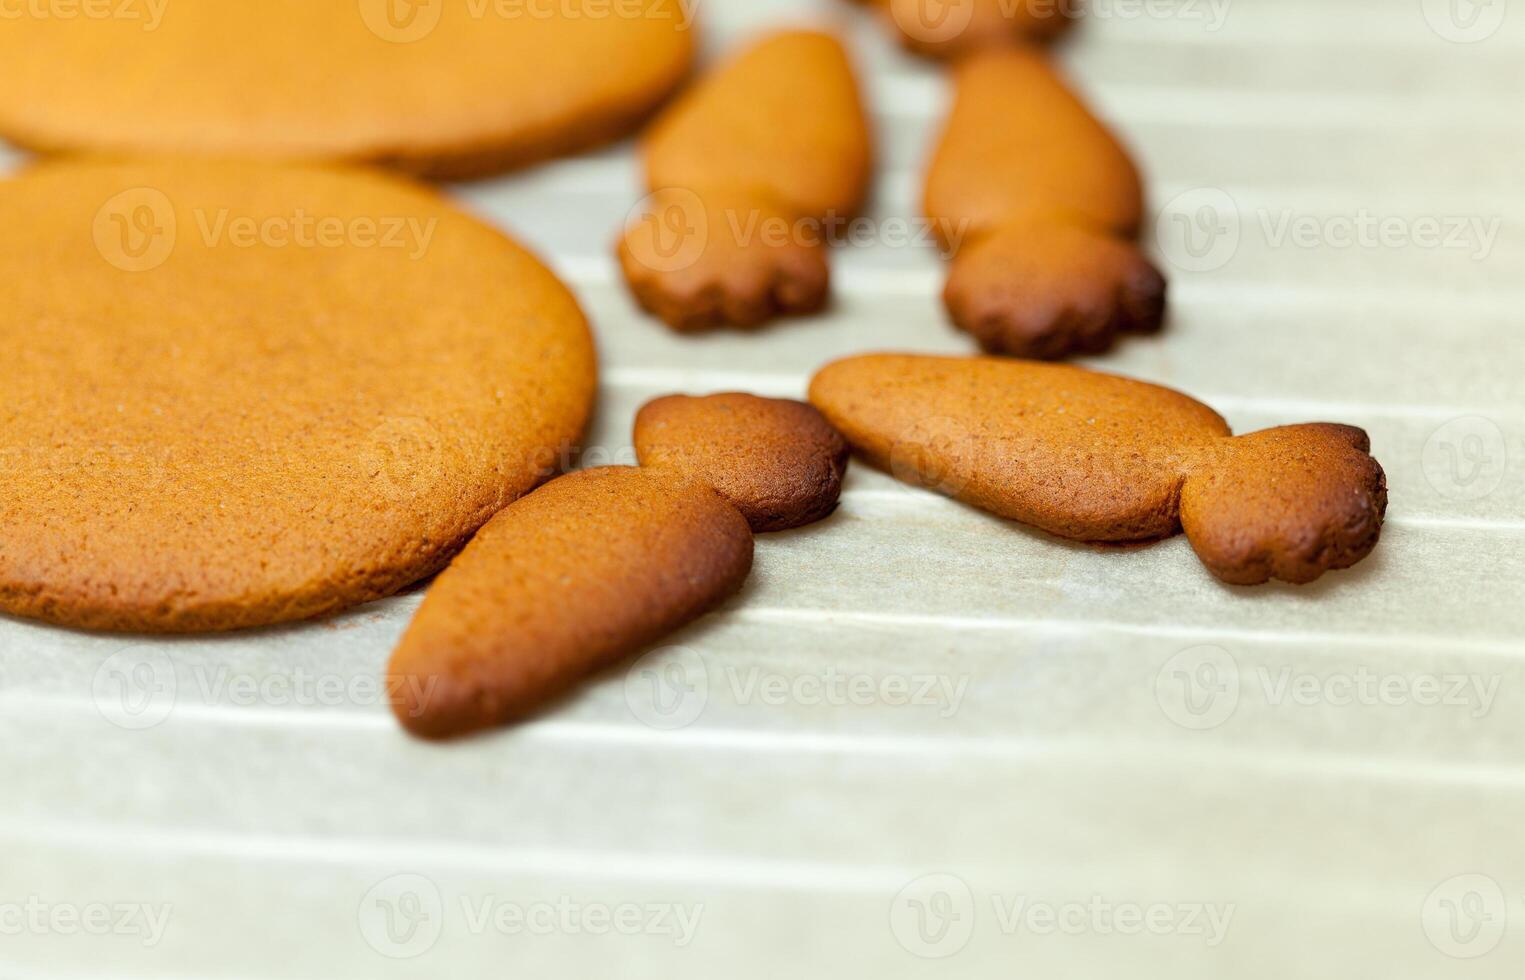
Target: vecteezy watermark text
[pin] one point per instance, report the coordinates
(150, 13)
(404, 916)
(1202, 687)
(670, 687)
(1203, 228)
(39, 917)
(138, 229)
(936, 915)
(407, 21)
(138, 689)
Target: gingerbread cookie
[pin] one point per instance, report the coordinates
(588, 569)
(1048, 204)
(1097, 457)
(439, 87)
(241, 393)
(749, 170)
(777, 461)
(954, 28)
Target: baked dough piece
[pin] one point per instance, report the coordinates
(777, 461)
(1047, 204)
(584, 571)
(954, 28)
(748, 169)
(239, 393)
(1097, 457)
(440, 87)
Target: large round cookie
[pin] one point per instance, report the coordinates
(444, 87)
(239, 393)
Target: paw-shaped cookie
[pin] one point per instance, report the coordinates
(704, 259)
(1286, 503)
(1048, 290)
(749, 170)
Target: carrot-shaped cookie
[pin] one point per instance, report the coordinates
(953, 28)
(582, 572)
(747, 170)
(598, 564)
(1097, 457)
(1048, 204)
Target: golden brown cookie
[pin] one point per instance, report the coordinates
(241, 393)
(954, 28)
(777, 461)
(589, 568)
(1047, 203)
(750, 170)
(1097, 457)
(440, 87)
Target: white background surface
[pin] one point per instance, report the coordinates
(1342, 827)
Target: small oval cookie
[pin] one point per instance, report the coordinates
(1097, 457)
(777, 461)
(241, 393)
(591, 567)
(440, 87)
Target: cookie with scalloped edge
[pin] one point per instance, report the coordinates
(749, 170)
(1039, 205)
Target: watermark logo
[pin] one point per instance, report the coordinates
(668, 231)
(1198, 688)
(1466, 458)
(405, 916)
(135, 231)
(668, 688)
(299, 229)
(934, 21)
(138, 229)
(135, 689)
(1465, 917)
(402, 917)
(1464, 21)
(933, 916)
(401, 21)
(1201, 688)
(404, 458)
(1202, 229)
(1198, 230)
